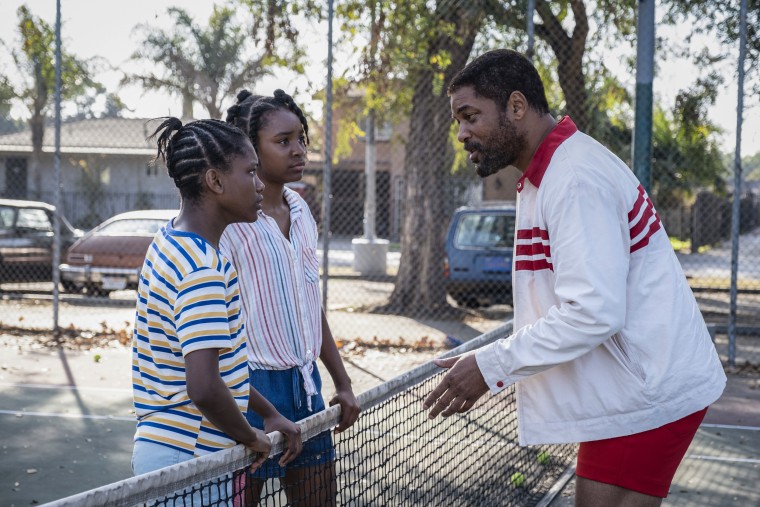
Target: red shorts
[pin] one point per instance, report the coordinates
(644, 462)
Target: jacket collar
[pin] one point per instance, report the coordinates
(540, 161)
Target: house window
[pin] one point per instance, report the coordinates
(15, 178)
(155, 168)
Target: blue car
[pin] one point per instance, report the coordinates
(478, 263)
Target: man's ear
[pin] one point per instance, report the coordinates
(517, 106)
(214, 181)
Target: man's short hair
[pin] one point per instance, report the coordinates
(497, 73)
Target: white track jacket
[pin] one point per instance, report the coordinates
(609, 340)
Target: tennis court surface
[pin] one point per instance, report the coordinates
(393, 456)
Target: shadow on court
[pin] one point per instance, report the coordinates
(67, 427)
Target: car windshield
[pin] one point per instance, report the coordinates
(133, 226)
(485, 230)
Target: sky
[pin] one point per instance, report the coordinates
(94, 28)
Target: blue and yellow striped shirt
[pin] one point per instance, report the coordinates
(187, 300)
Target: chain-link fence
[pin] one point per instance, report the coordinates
(393, 272)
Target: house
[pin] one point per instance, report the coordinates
(348, 177)
(105, 169)
(348, 186)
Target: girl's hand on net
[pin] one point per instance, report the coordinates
(260, 445)
(292, 433)
(349, 408)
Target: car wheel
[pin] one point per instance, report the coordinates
(98, 291)
(69, 286)
(467, 302)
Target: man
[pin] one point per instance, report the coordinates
(610, 349)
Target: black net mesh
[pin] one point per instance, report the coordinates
(392, 455)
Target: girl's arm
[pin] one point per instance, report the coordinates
(213, 398)
(274, 421)
(344, 395)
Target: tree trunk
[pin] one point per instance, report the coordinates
(569, 50)
(429, 157)
(573, 83)
(187, 104)
(37, 126)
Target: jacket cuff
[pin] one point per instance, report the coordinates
(490, 368)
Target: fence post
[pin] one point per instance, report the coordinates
(736, 210)
(57, 171)
(327, 176)
(642, 133)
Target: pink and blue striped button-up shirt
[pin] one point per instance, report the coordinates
(279, 288)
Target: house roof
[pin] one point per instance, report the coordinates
(123, 136)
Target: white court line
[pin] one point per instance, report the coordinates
(73, 388)
(730, 427)
(67, 416)
(719, 458)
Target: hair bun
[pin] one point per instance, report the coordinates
(281, 96)
(172, 123)
(242, 95)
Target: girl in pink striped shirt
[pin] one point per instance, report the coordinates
(278, 273)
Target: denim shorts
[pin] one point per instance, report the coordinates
(284, 389)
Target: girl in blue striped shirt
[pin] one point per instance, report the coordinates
(189, 367)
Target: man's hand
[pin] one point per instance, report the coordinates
(292, 433)
(459, 389)
(349, 408)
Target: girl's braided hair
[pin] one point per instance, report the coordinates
(249, 113)
(189, 150)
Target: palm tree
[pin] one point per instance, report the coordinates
(207, 65)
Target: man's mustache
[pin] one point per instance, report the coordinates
(472, 146)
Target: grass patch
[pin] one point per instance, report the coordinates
(680, 245)
(684, 246)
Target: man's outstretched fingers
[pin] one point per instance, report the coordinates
(443, 403)
(446, 363)
(468, 405)
(443, 385)
(436, 393)
(454, 407)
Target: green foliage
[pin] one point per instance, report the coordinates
(7, 94)
(686, 156)
(750, 167)
(721, 18)
(35, 60)
(610, 112)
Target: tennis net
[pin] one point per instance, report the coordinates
(393, 455)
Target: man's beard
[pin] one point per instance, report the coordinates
(499, 150)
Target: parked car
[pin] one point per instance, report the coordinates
(26, 240)
(110, 256)
(478, 254)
